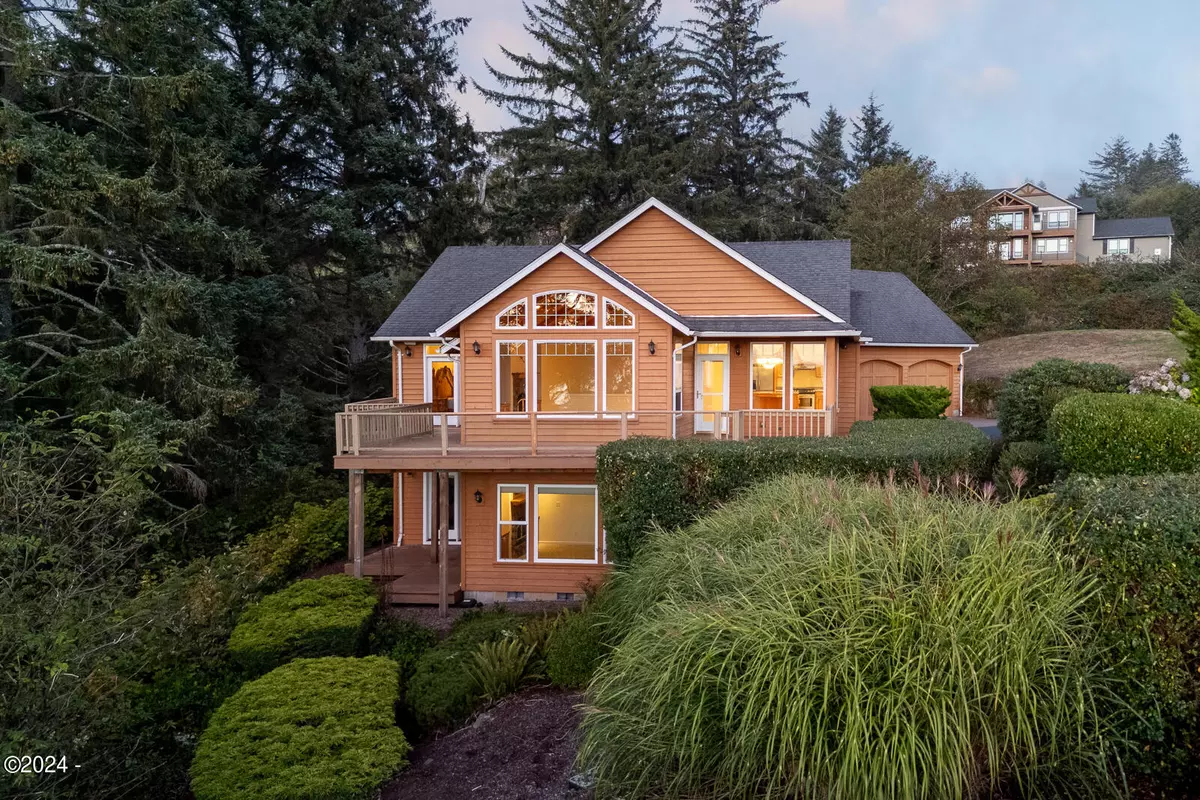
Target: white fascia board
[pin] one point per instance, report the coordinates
(963, 347)
(431, 338)
(715, 242)
(560, 249)
(770, 334)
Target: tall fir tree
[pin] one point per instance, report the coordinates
(871, 141)
(828, 168)
(1174, 162)
(736, 98)
(1112, 168)
(598, 119)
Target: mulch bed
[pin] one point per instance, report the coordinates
(522, 748)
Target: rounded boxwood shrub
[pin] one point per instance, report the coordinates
(1140, 537)
(830, 639)
(910, 402)
(574, 650)
(1120, 434)
(1029, 395)
(329, 616)
(315, 728)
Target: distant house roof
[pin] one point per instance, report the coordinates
(992, 193)
(882, 305)
(1145, 226)
(1087, 205)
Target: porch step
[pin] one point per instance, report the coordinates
(421, 597)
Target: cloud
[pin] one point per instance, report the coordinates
(875, 29)
(989, 81)
(819, 11)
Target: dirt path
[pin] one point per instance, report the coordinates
(523, 748)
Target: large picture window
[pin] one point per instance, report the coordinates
(512, 523)
(1014, 220)
(808, 375)
(618, 376)
(565, 310)
(566, 376)
(766, 376)
(566, 527)
(510, 377)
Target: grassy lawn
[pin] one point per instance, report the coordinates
(1130, 349)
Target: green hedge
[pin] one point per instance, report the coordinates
(1025, 469)
(910, 402)
(443, 691)
(1029, 395)
(329, 616)
(315, 728)
(401, 640)
(1141, 539)
(669, 482)
(574, 650)
(1119, 434)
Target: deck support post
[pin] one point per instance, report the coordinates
(357, 524)
(435, 525)
(443, 537)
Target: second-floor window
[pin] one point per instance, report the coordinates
(510, 377)
(564, 310)
(618, 376)
(566, 376)
(766, 375)
(513, 316)
(1043, 246)
(1013, 220)
(616, 315)
(1057, 220)
(1116, 247)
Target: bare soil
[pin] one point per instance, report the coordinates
(522, 748)
(1133, 350)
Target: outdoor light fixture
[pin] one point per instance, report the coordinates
(478, 496)
(652, 347)
(737, 348)
(960, 367)
(475, 347)
(407, 351)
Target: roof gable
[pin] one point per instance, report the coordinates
(676, 260)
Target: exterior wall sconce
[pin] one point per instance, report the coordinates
(478, 496)
(407, 351)
(737, 348)
(960, 367)
(475, 347)
(651, 347)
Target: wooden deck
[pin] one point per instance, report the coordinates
(424, 451)
(409, 574)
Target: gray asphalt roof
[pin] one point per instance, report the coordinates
(888, 307)
(1145, 226)
(1087, 205)
(885, 306)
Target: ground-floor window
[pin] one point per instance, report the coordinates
(512, 523)
(566, 526)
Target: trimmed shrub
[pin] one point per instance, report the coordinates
(1029, 395)
(645, 481)
(329, 616)
(402, 641)
(575, 649)
(443, 691)
(315, 534)
(1025, 469)
(1116, 434)
(910, 402)
(817, 639)
(314, 728)
(1140, 537)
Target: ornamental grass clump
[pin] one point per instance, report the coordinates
(823, 639)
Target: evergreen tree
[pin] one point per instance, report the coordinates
(828, 166)
(736, 98)
(598, 120)
(1112, 168)
(871, 141)
(1174, 162)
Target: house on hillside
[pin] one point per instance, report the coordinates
(511, 364)
(1048, 229)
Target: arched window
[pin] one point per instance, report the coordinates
(616, 315)
(513, 316)
(564, 310)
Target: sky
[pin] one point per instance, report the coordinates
(1006, 90)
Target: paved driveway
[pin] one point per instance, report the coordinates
(988, 426)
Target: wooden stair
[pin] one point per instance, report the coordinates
(401, 592)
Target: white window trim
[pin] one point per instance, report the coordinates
(499, 327)
(534, 381)
(598, 310)
(1128, 247)
(824, 374)
(550, 487)
(603, 317)
(429, 487)
(604, 387)
(512, 414)
(786, 380)
(500, 488)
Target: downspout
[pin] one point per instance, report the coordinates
(674, 419)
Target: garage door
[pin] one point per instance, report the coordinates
(930, 373)
(874, 373)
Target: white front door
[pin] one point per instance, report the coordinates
(430, 506)
(712, 390)
(442, 383)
